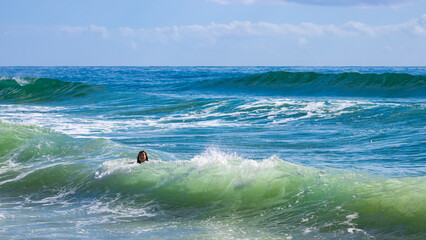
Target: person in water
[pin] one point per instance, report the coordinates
(142, 157)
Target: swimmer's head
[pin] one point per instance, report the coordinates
(142, 157)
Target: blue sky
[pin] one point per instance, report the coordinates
(213, 32)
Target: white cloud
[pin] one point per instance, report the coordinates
(242, 30)
(302, 41)
(238, 29)
(127, 32)
(415, 26)
(323, 2)
(134, 45)
(74, 30)
(100, 30)
(246, 29)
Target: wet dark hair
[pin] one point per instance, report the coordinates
(142, 157)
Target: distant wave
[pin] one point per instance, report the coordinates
(33, 90)
(322, 84)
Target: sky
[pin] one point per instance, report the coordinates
(213, 33)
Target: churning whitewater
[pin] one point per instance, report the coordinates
(234, 152)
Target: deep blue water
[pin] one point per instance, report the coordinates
(235, 152)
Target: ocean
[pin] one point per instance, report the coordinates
(234, 152)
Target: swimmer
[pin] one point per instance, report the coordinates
(142, 157)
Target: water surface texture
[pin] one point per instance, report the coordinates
(234, 152)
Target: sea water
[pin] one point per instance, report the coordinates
(234, 152)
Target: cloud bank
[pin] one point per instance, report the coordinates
(243, 29)
(323, 2)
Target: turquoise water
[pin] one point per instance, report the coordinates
(235, 152)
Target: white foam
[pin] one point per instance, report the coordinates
(117, 209)
(20, 81)
(307, 230)
(52, 118)
(9, 165)
(109, 167)
(281, 110)
(352, 226)
(34, 169)
(53, 200)
(353, 230)
(226, 113)
(351, 217)
(213, 156)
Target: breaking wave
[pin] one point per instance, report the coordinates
(39, 164)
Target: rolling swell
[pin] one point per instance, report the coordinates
(323, 84)
(39, 90)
